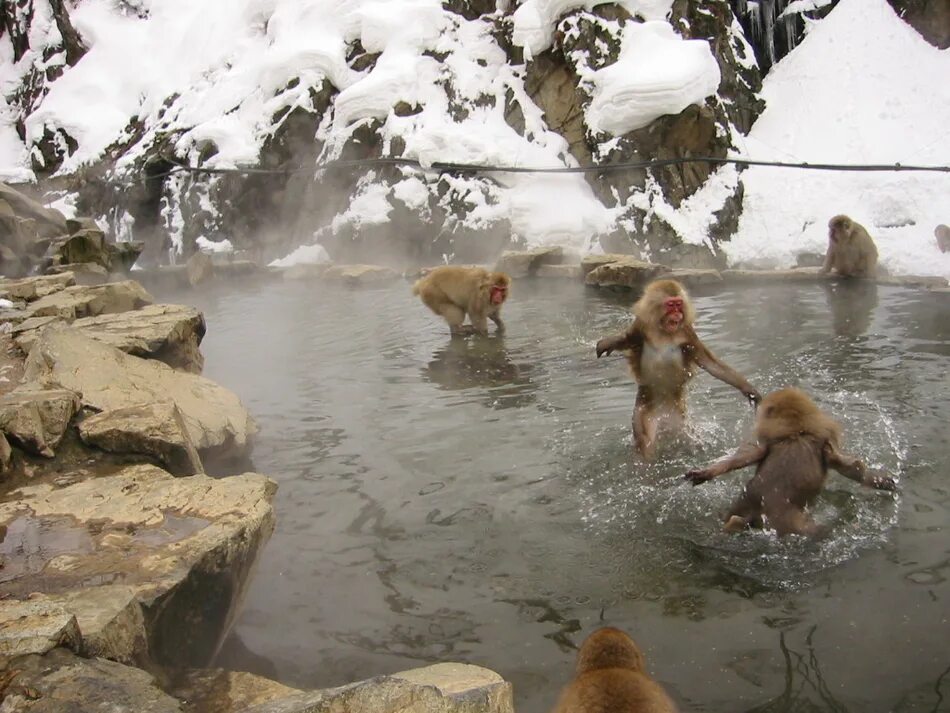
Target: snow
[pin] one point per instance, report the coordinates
(878, 95)
(657, 73)
(314, 254)
(214, 246)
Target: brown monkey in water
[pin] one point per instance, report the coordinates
(610, 678)
(796, 444)
(453, 291)
(663, 351)
(851, 252)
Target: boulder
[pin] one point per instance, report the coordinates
(590, 263)
(630, 273)
(85, 273)
(167, 333)
(33, 288)
(124, 254)
(199, 268)
(181, 549)
(88, 301)
(526, 263)
(109, 379)
(48, 221)
(6, 454)
(441, 688)
(219, 691)
(61, 682)
(798, 274)
(694, 278)
(564, 272)
(36, 419)
(155, 430)
(35, 627)
(360, 274)
(86, 246)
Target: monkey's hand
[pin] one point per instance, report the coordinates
(605, 346)
(879, 481)
(698, 476)
(754, 397)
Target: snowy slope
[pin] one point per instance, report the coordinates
(863, 87)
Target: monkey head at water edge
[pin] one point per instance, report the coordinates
(796, 444)
(454, 292)
(663, 351)
(610, 677)
(851, 251)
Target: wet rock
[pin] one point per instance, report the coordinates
(218, 691)
(33, 288)
(216, 421)
(155, 430)
(629, 273)
(48, 222)
(442, 688)
(525, 263)
(61, 682)
(590, 263)
(36, 419)
(564, 272)
(124, 254)
(199, 268)
(31, 627)
(360, 274)
(6, 455)
(925, 281)
(800, 274)
(182, 548)
(85, 273)
(692, 278)
(168, 333)
(86, 246)
(88, 301)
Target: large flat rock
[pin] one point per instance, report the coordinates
(81, 301)
(138, 556)
(629, 273)
(36, 419)
(525, 263)
(32, 288)
(108, 379)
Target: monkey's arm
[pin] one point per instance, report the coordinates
(826, 266)
(748, 454)
(631, 339)
(851, 467)
(705, 358)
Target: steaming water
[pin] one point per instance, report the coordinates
(475, 500)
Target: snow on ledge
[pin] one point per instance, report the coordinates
(657, 73)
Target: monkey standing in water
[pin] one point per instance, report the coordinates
(851, 252)
(611, 678)
(663, 351)
(796, 444)
(453, 291)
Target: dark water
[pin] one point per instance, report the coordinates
(476, 500)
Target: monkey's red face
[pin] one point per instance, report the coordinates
(672, 318)
(498, 294)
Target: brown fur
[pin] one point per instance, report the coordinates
(851, 251)
(942, 234)
(663, 362)
(453, 291)
(797, 443)
(611, 678)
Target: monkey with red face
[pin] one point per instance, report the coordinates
(663, 351)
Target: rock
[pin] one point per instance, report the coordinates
(30, 627)
(86, 246)
(12, 264)
(925, 281)
(199, 268)
(6, 457)
(155, 430)
(624, 273)
(305, 272)
(37, 419)
(88, 301)
(523, 264)
(219, 691)
(354, 275)
(590, 263)
(181, 548)
(61, 682)
(48, 222)
(167, 333)
(800, 274)
(109, 379)
(442, 688)
(85, 273)
(566, 272)
(33, 288)
(124, 254)
(692, 278)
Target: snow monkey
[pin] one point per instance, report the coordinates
(610, 678)
(663, 351)
(851, 252)
(452, 292)
(796, 444)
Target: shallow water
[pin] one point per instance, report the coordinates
(476, 500)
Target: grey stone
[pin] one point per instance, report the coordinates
(628, 273)
(525, 263)
(36, 419)
(156, 430)
(88, 301)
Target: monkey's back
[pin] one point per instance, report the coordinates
(614, 690)
(794, 470)
(453, 283)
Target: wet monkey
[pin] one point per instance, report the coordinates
(453, 291)
(851, 251)
(796, 444)
(611, 678)
(663, 351)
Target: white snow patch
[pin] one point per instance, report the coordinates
(657, 73)
(214, 246)
(314, 254)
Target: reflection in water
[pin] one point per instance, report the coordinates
(852, 304)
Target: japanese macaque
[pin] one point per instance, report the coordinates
(453, 291)
(610, 678)
(664, 351)
(796, 444)
(942, 234)
(851, 252)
